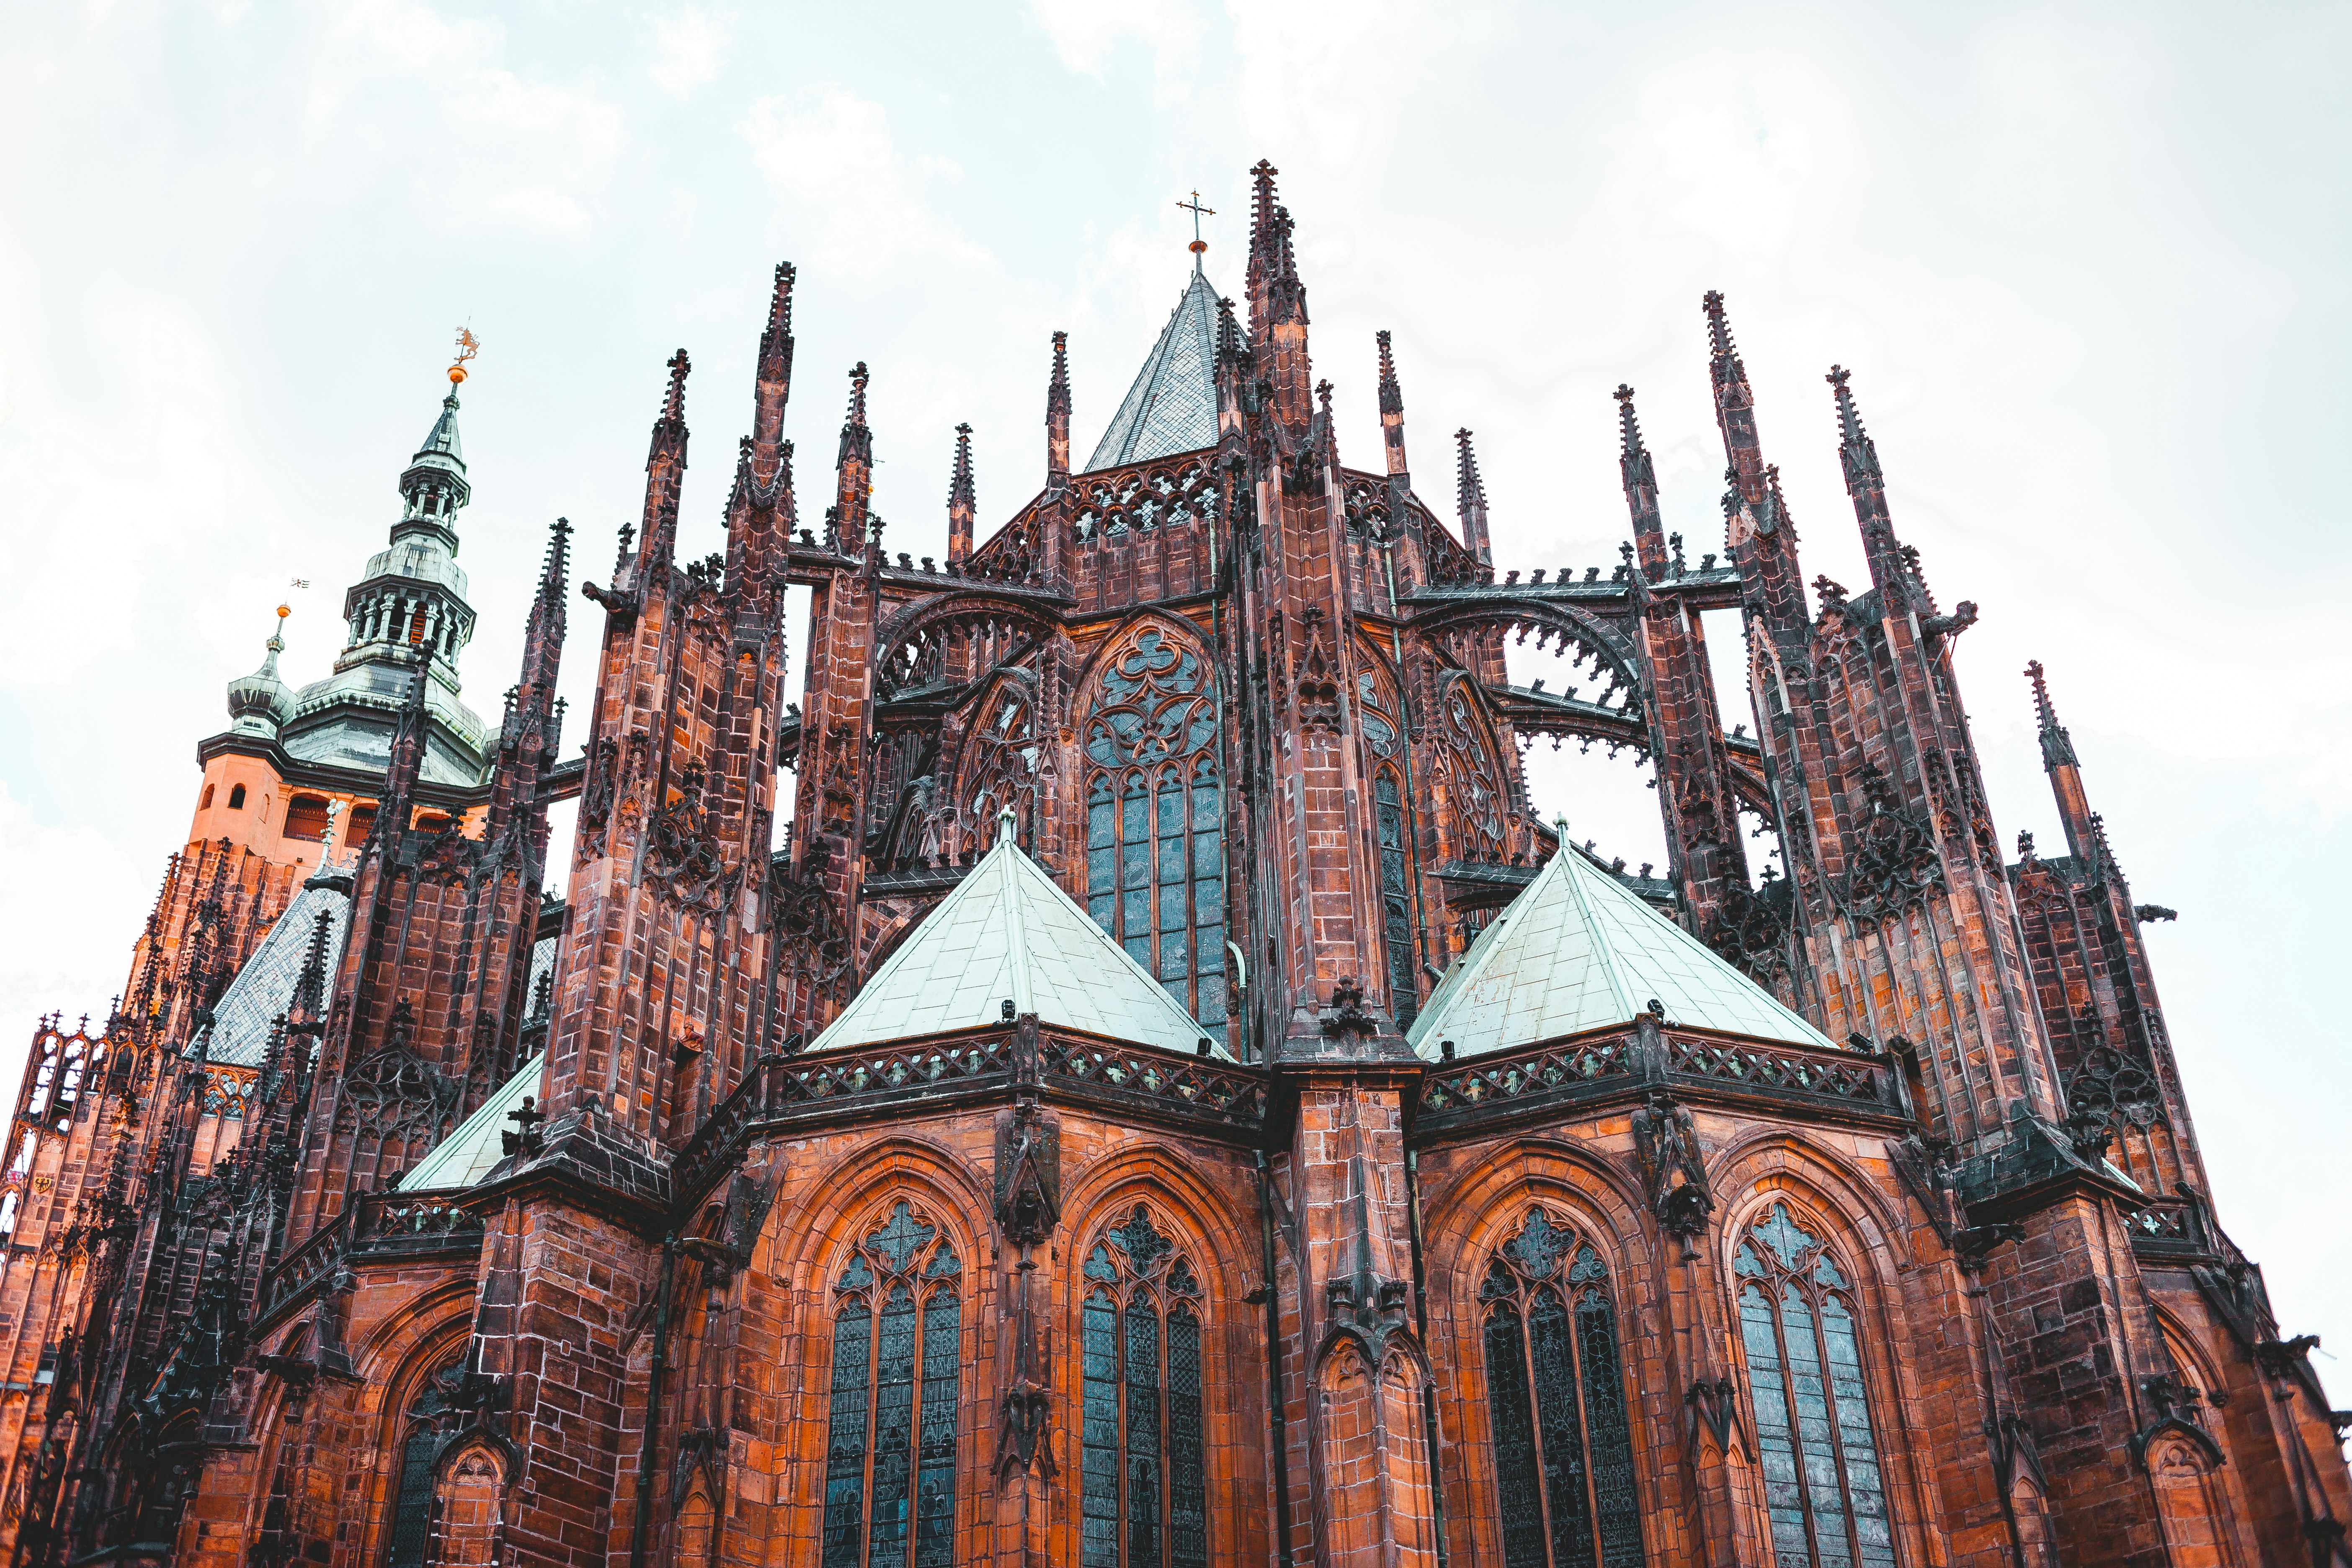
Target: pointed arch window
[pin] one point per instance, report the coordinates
(897, 1338)
(1813, 1434)
(426, 1429)
(1155, 818)
(1143, 1497)
(1556, 1394)
(1396, 897)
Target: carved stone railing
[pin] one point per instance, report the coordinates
(2179, 1230)
(1537, 1080)
(848, 1083)
(1193, 1088)
(1832, 1075)
(1541, 1074)
(375, 1227)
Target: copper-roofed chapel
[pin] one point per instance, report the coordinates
(1118, 1075)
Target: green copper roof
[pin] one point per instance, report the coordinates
(474, 1147)
(1008, 930)
(1578, 949)
(1172, 406)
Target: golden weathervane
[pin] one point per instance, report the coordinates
(468, 345)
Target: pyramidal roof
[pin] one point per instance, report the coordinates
(1579, 949)
(264, 988)
(1008, 930)
(1172, 406)
(474, 1147)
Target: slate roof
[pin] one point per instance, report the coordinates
(264, 988)
(1009, 930)
(1172, 406)
(1578, 949)
(473, 1146)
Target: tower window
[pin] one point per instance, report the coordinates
(1820, 1456)
(236, 797)
(1556, 1394)
(306, 818)
(205, 803)
(416, 628)
(889, 1474)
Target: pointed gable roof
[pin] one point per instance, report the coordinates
(1007, 929)
(1172, 406)
(474, 1147)
(1579, 949)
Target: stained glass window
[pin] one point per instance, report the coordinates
(1396, 899)
(1142, 1486)
(889, 1477)
(1822, 1488)
(1155, 818)
(428, 1425)
(1556, 1396)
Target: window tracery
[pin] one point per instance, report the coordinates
(1823, 1486)
(1464, 763)
(1556, 1394)
(1004, 760)
(889, 1480)
(430, 1421)
(1144, 1498)
(1155, 819)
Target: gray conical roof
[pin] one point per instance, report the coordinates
(441, 440)
(1172, 406)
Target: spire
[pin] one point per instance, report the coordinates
(665, 469)
(408, 748)
(1641, 481)
(528, 739)
(1057, 416)
(260, 703)
(960, 505)
(433, 487)
(2065, 772)
(775, 377)
(1470, 500)
(854, 470)
(1277, 304)
(1735, 407)
(1391, 408)
(1868, 485)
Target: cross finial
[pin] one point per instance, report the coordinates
(1199, 247)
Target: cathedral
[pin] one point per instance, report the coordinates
(1118, 1075)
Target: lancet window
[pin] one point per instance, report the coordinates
(425, 1429)
(1556, 1394)
(1821, 1481)
(1144, 1496)
(1155, 819)
(897, 1337)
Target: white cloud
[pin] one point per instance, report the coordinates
(838, 158)
(686, 49)
(1085, 32)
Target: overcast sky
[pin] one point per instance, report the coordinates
(2087, 265)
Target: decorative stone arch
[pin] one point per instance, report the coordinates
(694, 1532)
(2186, 1470)
(908, 644)
(1835, 1244)
(1368, 1395)
(799, 1265)
(469, 1503)
(1468, 1226)
(1153, 800)
(421, 1423)
(1008, 757)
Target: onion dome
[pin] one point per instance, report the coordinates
(260, 703)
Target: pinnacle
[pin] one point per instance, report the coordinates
(1628, 426)
(858, 376)
(1718, 330)
(674, 402)
(1392, 394)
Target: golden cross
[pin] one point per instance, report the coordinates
(1199, 246)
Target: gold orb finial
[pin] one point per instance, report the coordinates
(284, 611)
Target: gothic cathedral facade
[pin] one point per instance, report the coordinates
(1119, 1077)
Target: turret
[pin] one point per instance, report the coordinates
(260, 703)
(854, 470)
(2065, 772)
(960, 504)
(1057, 416)
(1278, 307)
(1470, 500)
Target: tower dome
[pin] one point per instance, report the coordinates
(260, 703)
